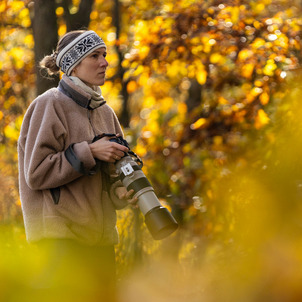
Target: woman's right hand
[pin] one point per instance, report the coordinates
(108, 151)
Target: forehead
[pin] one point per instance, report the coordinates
(100, 50)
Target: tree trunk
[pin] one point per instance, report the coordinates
(124, 116)
(194, 98)
(81, 19)
(45, 32)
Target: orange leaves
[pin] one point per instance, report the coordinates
(132, 86)
(264, 98)
(16, 80)
(199, 75)
(247, 70)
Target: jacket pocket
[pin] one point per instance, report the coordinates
(55, 193)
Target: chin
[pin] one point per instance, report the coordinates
(100, 83)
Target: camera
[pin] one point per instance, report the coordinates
(158, 219)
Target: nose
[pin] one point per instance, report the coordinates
(104, 62)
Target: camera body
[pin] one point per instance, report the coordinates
(158, 219)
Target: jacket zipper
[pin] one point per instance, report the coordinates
(101, 175)
(90, 121)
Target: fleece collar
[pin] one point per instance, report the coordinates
(81, 97)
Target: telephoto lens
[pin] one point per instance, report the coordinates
(158, 219)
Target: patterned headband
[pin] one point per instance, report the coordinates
(77, 50)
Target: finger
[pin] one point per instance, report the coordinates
(120, 147)
(129, 193)
(133, 202)
(119, 153)
(116, 157)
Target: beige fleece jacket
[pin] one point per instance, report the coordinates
(57, 200)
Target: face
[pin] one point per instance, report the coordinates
(92, 69)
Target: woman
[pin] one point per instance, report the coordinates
(67, 191)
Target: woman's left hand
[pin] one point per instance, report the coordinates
(122, 193)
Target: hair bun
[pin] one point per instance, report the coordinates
(49, 63)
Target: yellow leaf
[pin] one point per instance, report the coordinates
(264, 98)
(247, 70)
(139, 70)
(11, 132)
(140, 150)
(258, 83)
(257, 24)
(24, 16)
(166, 104)
(62, 30)
(261, 119)
(143, 79)
(222, 101)
(149, 101)
(201, 76)
(235, 14)
(216, 58)
(29, 41)
(259, 42)
(182, 108)
(17, 54)
(177, 69)
(244, 54)
(198, 124)
(2, 6)
(195, 41)
(16, 6)
(144, 51)
(269, 68)
(94, 15)
(256, 91)
(259, 8)
(60, 11)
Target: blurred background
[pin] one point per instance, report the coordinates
(209, 96)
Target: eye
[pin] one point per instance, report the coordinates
(95, 55)
(105, 54)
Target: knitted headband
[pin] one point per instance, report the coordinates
(72, 54)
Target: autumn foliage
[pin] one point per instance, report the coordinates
(212, 95)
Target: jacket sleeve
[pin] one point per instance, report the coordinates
(43, 141)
